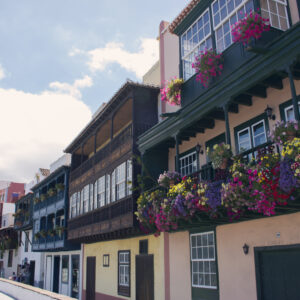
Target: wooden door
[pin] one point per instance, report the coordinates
(144, 277)
(90, 277)
(278, 274)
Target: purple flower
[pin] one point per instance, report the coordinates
(213, 194)
(287, 180)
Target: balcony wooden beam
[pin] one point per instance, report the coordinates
(217, 114)
(258, 91)
(206, 123)
(274, 82)
(243, 99)
(233, 108)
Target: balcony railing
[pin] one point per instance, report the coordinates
(48, 242)
(49, 201)
(111, 211)
(23, 221)
(124, 137)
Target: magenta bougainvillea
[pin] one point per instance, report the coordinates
(252, 25)
(207, 64)
(171, 93)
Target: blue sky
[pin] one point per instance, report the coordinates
(38, 36)
(59, 60)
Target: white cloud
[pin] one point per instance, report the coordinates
(35, 128)
(72, 89)
(2, 73)
(138, 62)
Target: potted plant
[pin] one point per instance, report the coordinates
(51, 192)
(60, 187)
(283, 132)
(207, 64)
(171, 93)
(219, 155)
(51, 232)
(37, 235)
(36, 200)
(168, 179)
(249, 28)
(43, 233)
(59, 230)
(43, 197)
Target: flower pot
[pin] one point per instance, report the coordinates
(172, 182)
(224, 163)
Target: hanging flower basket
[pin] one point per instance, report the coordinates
(283, 132)
(249, 29)
(171, 93)
(220, 155)
(208, 64)
(60, 187)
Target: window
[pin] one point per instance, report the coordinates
(81, 202)
(73, 212)
(203, 258)
(188, 163)
(276, 12)
(36, 226)
(26, 241)
(251, 134)
(120, 181)
(105, 260)
(85, 203)
(129, 177)
(10, 258)
(91, 197)
(78, 203)
(113, 186)
(101, 191)
(195, 39)
(143, 246)
(225, 14)
(65, 269)
(107, 195)
(124, 273)
(289, 113)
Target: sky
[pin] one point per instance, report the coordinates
(59, 60)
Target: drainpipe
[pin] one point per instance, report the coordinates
(225, 108)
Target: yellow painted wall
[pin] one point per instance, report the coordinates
(107, 277)
(274, 98)
(236, 270)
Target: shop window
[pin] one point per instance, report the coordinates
(124, 273)
(203, 260)
(65, 269)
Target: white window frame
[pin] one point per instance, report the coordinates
(107, 188)
(238, 137)
(235, 11)
(292, 108)
(124, 265)
(121, 181)
(204, 260)
(277, 14)
(129, 177)
(185, 56)
(181, 159)
(86, 197)
(252, 130)
(101, 187)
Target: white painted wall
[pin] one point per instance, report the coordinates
(64, 160)
(38, 257)
(8, 271)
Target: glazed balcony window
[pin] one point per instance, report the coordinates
(225, 14)
(188, 163)
(100, 192)
(276, 12)
(195, 39)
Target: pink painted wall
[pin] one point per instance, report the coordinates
(169, 59)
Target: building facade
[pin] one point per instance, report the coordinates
(233, 109)
(103, 180)
(50, 220)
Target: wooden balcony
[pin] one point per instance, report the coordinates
(235, 57)
(114, 217)
(119, 146)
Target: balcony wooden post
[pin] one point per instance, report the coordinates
(176, 137)
(294, 94)
(227, 134)
(112, 127)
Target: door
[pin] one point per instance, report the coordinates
(278, 273)
(90, 277)
(144, 277)
(75, 276)
(31, 272)
(56, 274)
(48, 273)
